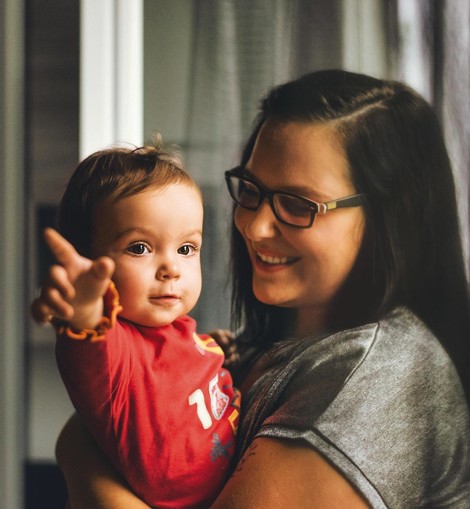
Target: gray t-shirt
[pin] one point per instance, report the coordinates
(382, 402)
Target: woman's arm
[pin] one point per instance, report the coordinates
(273, 473)
(92, 482)
(282, 473)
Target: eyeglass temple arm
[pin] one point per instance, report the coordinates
(349, 201)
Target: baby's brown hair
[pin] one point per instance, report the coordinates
(117, 172)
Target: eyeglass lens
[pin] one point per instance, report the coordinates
(290, 209)
(246, 193)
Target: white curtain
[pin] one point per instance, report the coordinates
(433, 53)
(240, 50)
(455, 101)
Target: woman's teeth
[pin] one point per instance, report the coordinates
(274, 260)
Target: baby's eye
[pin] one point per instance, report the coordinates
(139, 248)
(187, 250)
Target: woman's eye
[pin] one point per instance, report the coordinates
(138, 249)
(187, 249)
(247, 188)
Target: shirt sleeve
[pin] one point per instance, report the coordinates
(313, 382)
(95, 366)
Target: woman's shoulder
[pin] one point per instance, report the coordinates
(405, 403)
(400, 341)
(382, 402)
(394, 359)
(397, 356)
(394, 354)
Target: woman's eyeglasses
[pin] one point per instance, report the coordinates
(289, 208)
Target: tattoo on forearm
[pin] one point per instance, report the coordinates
(251, 451)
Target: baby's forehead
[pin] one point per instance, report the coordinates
(156, 186)
(156, 211)
(174, 193)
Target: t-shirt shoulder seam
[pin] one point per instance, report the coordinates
(356, 367)
(364, 357)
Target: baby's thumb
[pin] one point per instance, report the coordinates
(97, 280)
(103, 268)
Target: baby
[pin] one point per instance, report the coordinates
(153, 392)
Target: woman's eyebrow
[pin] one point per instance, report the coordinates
(299, 190)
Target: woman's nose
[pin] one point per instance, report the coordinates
(167, 271)
(261, 223)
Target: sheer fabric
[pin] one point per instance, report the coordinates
(432, 45)
(240, 50)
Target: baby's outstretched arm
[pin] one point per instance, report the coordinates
(74, 287)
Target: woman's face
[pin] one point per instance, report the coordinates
(293, 267)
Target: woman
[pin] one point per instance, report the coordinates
(349, 281)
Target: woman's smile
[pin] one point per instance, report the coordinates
(271, 262)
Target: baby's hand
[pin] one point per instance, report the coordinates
(74, 287)
(226, 341)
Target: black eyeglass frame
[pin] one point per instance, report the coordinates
(354, 200)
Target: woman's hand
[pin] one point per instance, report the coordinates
(74, 287)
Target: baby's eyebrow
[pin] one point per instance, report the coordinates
(150, 233)
(189, 233)
(132, 230)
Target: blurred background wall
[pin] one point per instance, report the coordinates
(76, 76)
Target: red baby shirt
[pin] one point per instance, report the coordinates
(158, 402)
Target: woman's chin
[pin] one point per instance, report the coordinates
(271, 298)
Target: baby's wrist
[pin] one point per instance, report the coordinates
(87, 318)
(91, 324)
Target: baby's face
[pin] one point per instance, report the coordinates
(154, 238)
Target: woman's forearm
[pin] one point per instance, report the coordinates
(92, 482)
